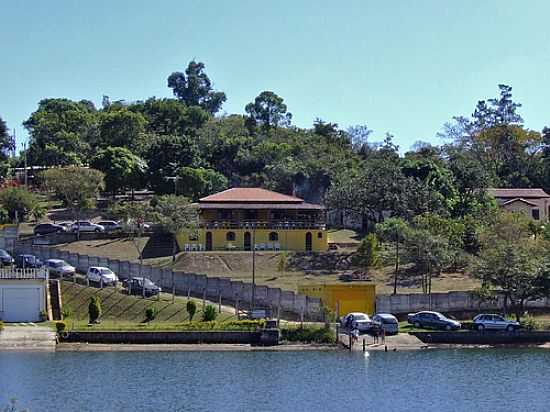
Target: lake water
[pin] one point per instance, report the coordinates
(434, 380)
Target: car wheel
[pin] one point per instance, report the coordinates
(480, 328)
(417, 324)
(510, 328)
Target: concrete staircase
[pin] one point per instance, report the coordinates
(27, 337)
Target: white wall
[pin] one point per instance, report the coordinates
(22, 284)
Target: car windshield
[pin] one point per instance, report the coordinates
(3, 253)
(60, 264)
(360, 317)
(105, 271)
(149, 283)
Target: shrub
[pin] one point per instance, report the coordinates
(236, 325)
(1, 325)
(282, 263)
(191, 308)
(150, 314)
(530, 323)
(209, 313)
(308, 334)
(60, 326)
(94, 309)
(67, 313)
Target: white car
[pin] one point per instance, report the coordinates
(101, 274)
(489, 321)
(59, 267)
(86, 226)
(388, 322)
(357, 320)
(110, 225)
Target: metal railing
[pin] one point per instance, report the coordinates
(32, 274)
(273, 224)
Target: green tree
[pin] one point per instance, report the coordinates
(94, 309)
(122, 168)
(194, 88)
(19, 203)
(268, 110)
(199, 182)
(209, 314)
(123, 128)
(393, 230)
(367, 256)
(176, 214)
(6, 142)
(191, 308)
(60, 131)
(78, 187)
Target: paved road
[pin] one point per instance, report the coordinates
(27, 337)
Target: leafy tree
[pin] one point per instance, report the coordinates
(191, 308)
(60, 131)
(268, 110)
(209, 314)
(122, 168)
(194, 88)
(393, 230)
(176, 214)
(78, 187)
(6, 143)
(94, 309)
(123, 128)
(199, 182)
(368, 253)
(19, 203)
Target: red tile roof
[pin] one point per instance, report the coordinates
(249, 195)
(519, 193)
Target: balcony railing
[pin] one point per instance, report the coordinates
(28, 274)
(273, 224)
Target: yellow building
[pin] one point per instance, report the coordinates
(343, 298)
(238, 218)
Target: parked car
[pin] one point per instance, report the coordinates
(135, 286)
(432, 320)
(357, 320)
(388, 322)
(101, 274)
(5, 258)
(110, 225)
(28, 262)
(59, 268)
(66, 225)
(47, 228)
(490, 321)
(86, 226)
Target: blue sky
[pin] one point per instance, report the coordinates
(403, 67)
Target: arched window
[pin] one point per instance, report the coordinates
(273, 236)
(319, 235)
(230, 236)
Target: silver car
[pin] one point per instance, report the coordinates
(489, 321)
(388, 322)
(60, 268)
(86, 226)
(357, 320)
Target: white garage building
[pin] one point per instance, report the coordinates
(22, 294)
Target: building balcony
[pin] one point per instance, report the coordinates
(267, 225)
(23, 274)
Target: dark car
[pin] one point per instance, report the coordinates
(135, 286)
(28, 262)
(48, 228)
(432, 320)
(5, 258)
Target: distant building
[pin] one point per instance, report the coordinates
(246, 218)
(534, 203)
(343, 298)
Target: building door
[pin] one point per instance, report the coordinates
(247, 241)
(208, 245)
(21, 304)
(309, 242)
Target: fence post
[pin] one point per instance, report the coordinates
(173, 288)
(219, 301)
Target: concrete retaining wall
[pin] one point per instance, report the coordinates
(445, 302)
(483, 338)
(199, 285)
(267, 337)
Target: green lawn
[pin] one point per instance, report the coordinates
(124, 312)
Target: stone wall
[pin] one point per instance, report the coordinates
(236, 293)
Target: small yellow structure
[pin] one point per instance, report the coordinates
(343, 298)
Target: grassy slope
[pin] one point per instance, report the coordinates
(121, 311)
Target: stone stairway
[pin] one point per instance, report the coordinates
(27, 337)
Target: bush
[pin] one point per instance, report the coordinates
(191, 308)
(209, 313)
(60, 326)
(308, 334)
(235, 325)
(1, 325)
(150, 314)
(67, 313)
(530, 323)
(94, 309)
(282, 263)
